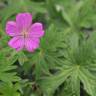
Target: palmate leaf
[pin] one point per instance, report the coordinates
(53, 38)
(7, 59)
(80, 58)
(84, 58)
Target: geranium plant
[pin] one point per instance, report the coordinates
(47, 47)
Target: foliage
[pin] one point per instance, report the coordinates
(65, 62)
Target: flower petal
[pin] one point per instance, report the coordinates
(24, 20)
(31, 44)
(16, 43)
(36, 30)
(11, 28)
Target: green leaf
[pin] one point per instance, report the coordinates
(8, 89)
(50, 84)
(89, 81)
(7, 59)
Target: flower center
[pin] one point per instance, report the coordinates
(24, 33)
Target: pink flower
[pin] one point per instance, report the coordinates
(25, 34)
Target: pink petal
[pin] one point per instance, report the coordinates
(31, 44)
(16, 43)
(36, 30)
(24, 20)
(11, 28)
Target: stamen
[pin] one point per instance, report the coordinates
(25, 34)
